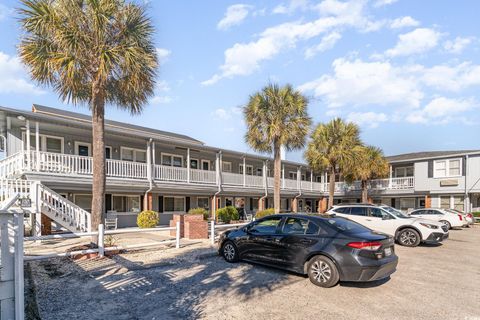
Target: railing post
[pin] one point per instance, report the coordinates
(18, 260)
(390, 179)
(28, 145)
(101, 240)
(283, 176)
(37, 146)
(188, 165)
(177, 235)
(212, 232)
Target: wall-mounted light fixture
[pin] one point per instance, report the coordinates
(20, 117)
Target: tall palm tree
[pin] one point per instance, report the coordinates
(93, 52)
(369, 163)
(275, 117)
(332, 148)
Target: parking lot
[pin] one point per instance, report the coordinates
(431, 282)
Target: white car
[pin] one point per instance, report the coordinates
(451, 220)
(407, 231)
(468, 217)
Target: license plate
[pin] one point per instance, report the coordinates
(388, 252)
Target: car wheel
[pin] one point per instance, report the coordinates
(449, 226)
(408, 238)
(230, 252)
(323, 272)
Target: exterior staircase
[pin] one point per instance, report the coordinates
(48, 202)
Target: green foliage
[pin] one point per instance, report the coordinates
(476, 214)
(201, 211)
(228, 214)
(264, 213)
(147, 219)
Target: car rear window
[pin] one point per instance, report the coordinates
(345, 225)
(358, 211)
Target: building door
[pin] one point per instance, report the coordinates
(83, 149)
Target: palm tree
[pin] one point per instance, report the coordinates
(332, 148)
(369, 163)
(275, 117)
(93, 52)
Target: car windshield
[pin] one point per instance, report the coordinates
(345, 225)
(396, 213)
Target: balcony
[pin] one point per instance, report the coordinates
(74, 165)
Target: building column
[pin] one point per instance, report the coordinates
(261, 204)
(299, 178)
(311, 180)
(390, 178)
(428, 201)
(370, 200)
(28, 145)
(295, 205)
(322, 205)
(244, 171)
(37, 145)
(188, 165)
(283, 176)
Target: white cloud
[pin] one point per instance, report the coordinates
(418, 41)
(443, 110)
(162, 86)
(457, 45)
(327, 42)
(451, 78)
(245, 58)
(221, 114)
(4, 11)
(163, 55)
(158, 99)
(381, 3)
(234, 15)
(291, 7)
(369, 119)
(404, 22)
(14, 77)
(359, 83)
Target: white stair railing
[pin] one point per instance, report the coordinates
(10, 187)
(63, 211)
(12, 165)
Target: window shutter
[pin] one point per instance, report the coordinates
(430, 169)
(464, 165)
(251, 203)
(160, 204)
(108, 202)
(187, 204)
(141, 203)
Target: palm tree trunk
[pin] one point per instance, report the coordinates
(98, 134)
(331, 187)
(364, 192)
(277, 164)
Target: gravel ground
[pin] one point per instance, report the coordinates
(432, 282)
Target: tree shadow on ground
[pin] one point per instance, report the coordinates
(121, 289)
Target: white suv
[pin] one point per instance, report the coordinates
(406, 230)
(451, 220)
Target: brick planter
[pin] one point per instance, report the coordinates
(173, 223)
(196, 229)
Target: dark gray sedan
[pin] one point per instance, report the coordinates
(327, 248)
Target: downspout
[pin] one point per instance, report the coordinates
(149, 173)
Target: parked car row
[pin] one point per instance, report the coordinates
(353, 242)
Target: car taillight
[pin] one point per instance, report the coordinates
(469, 215)
(460, 216)
(372, 245)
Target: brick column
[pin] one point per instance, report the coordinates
(294, 204)
(195, 227)
(322, 205)
(173, 223)
(261, 204)
(370, 200)
(428, 201)
(46, 225)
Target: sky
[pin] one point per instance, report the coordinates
(406, 71)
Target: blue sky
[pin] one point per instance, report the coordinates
(406, 71)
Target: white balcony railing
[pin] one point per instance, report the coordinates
(66, 164)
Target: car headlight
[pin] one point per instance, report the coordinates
(429, 226)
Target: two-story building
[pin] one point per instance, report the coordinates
(170, 173)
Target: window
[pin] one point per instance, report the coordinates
(418, 212)
(249, 169)
(345, 210)
(445, 202)
(447, 168)
(358, 211)
(303, 177)
(378, 213)
(194, 163)
(226, 166)
(299, 226)
(174, 204)
(203, 203)
(205, 165)
(84, 201)
(407, 203)
(108, 152)
(267, 226)
(458, 203)
(47, 143)
(172, 160)
(292, 175)
(121, 203)
(401, 172)
(318, 178)
(259, 172)
(135, 155)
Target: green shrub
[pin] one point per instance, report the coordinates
(147, 219)
(228, 214)
(201, 211)
(264, 213)
(476, 214)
